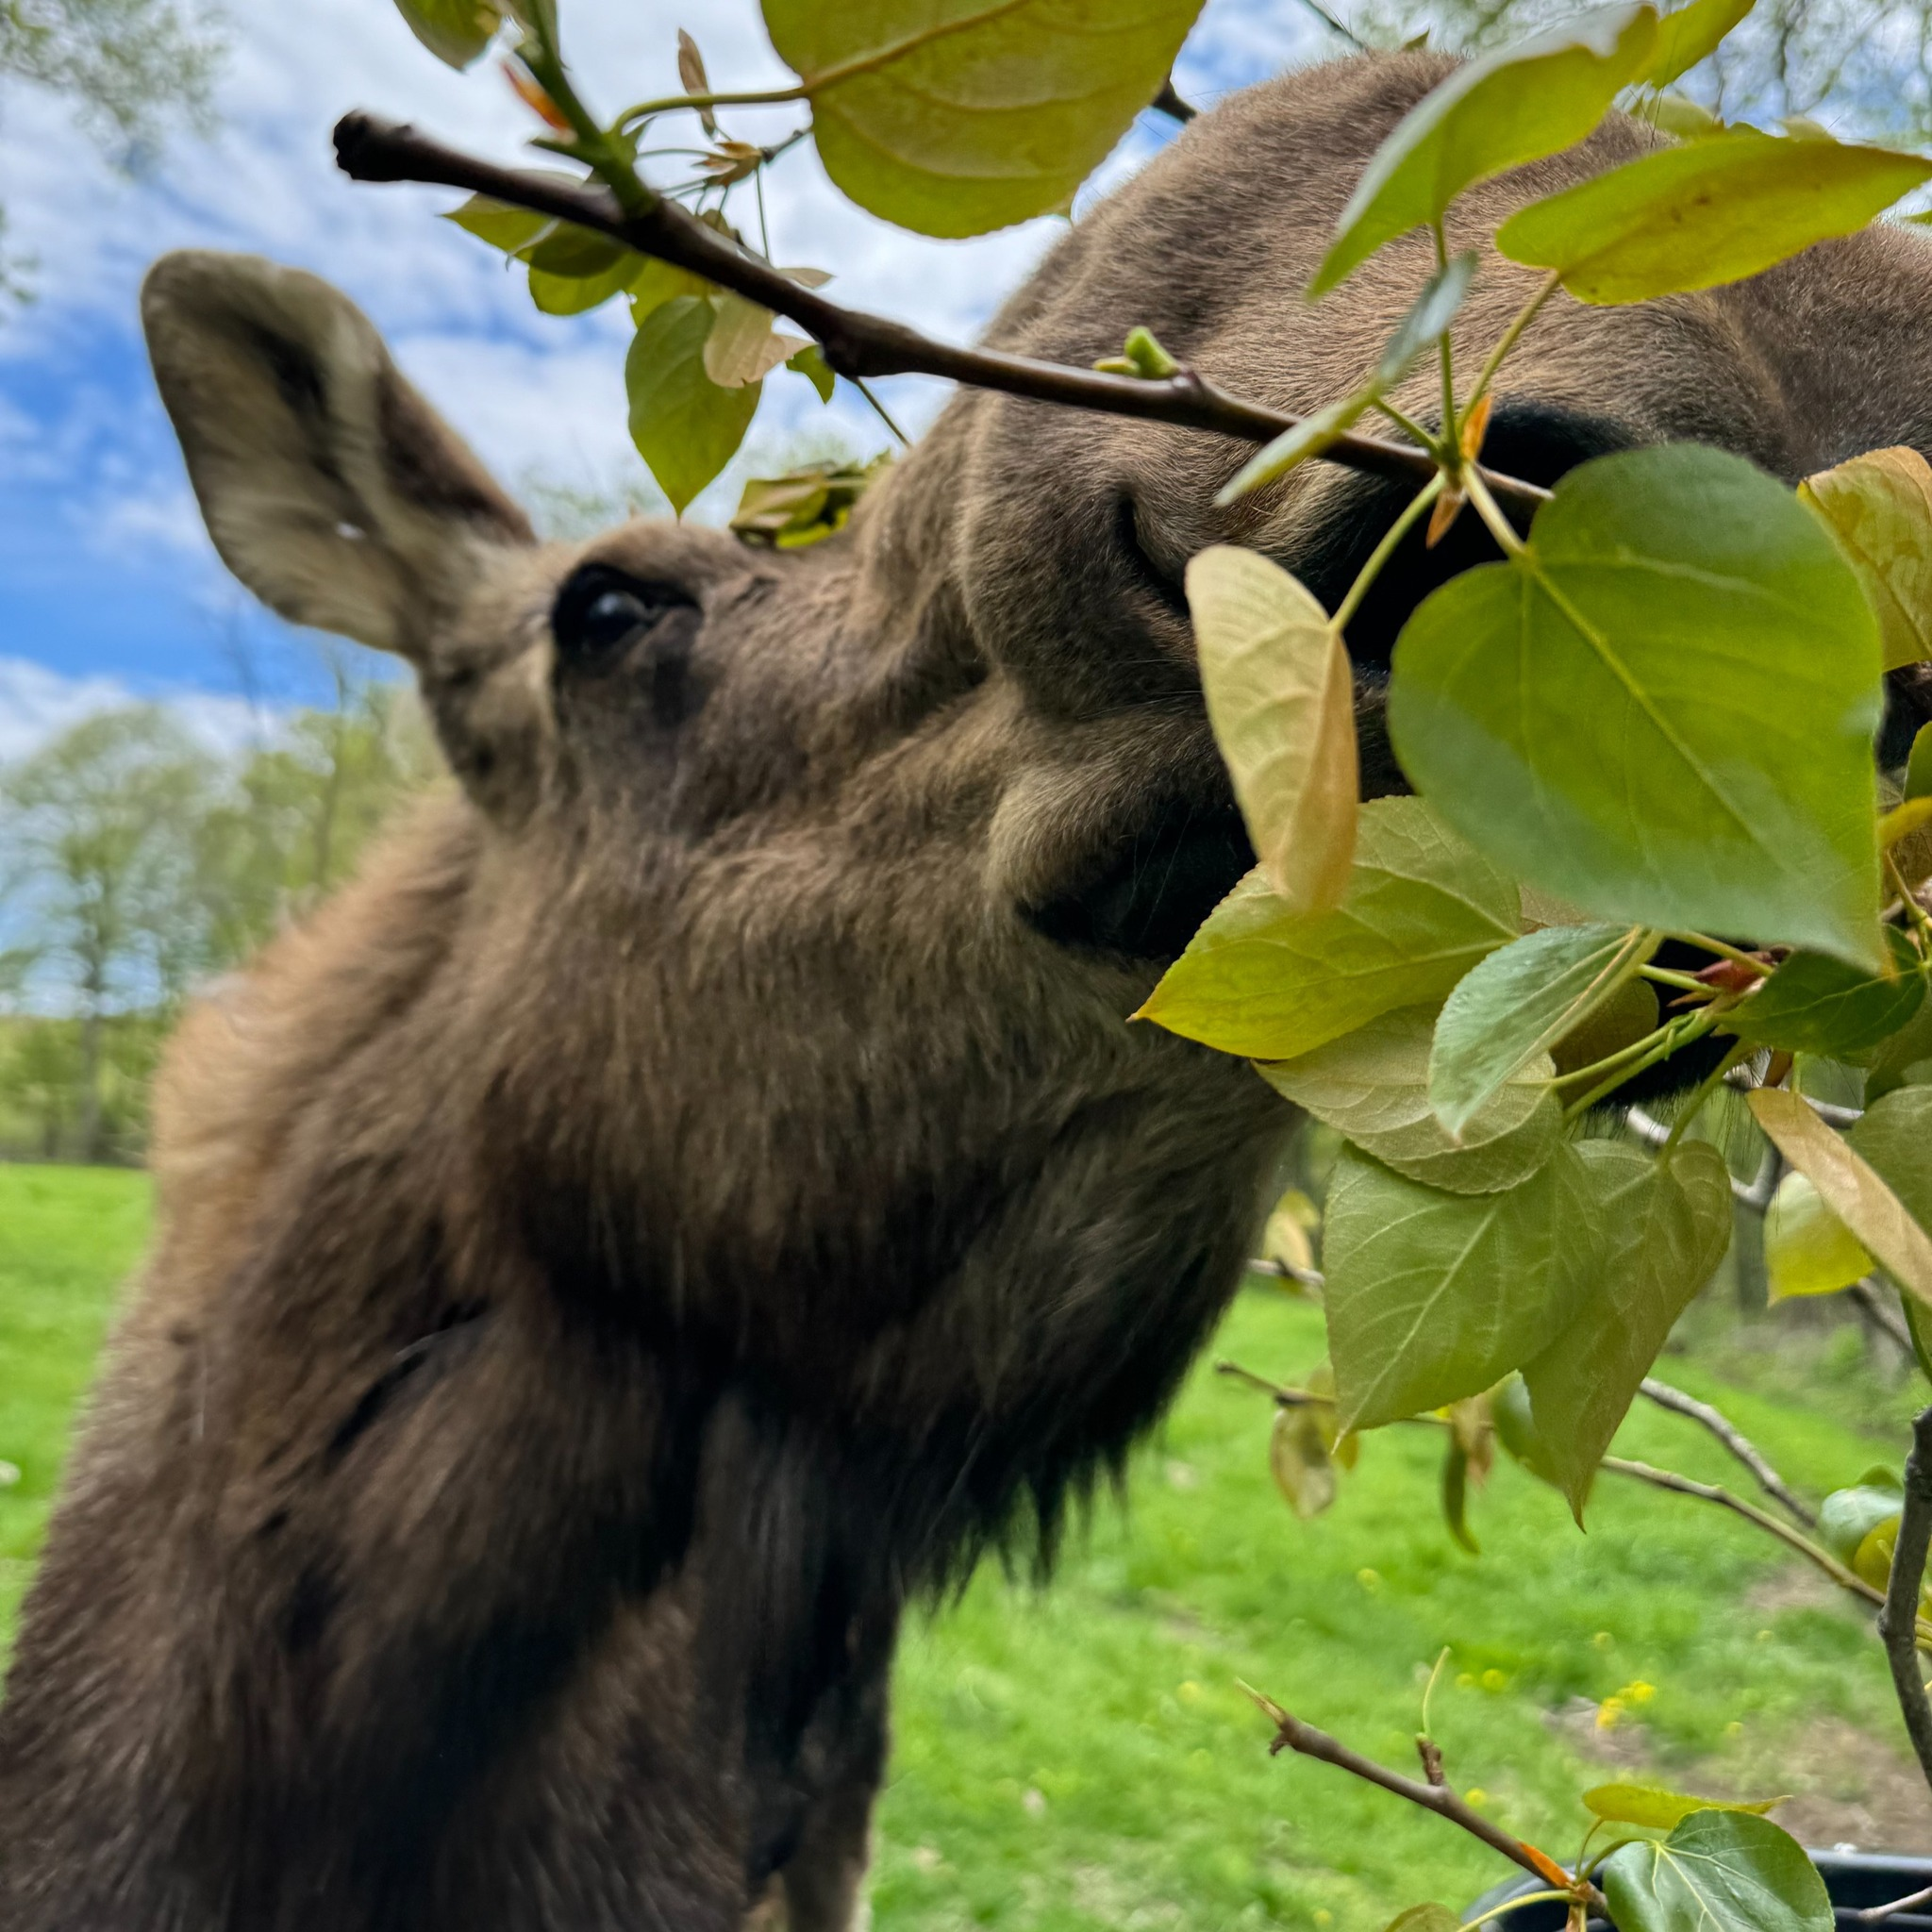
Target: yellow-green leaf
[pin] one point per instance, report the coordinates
(686, 427)
(1879, 508)
(1281, 699)
(1808, 1249)
(1426, 1917)
(1510, 107)
(511, 229)
(1657, 1809)
(953, 117)
(455, 31)
(1714, 211)
(1299, 1461)
(1373, 1086)
(743, 346)
(1421, 907)
(1690, 35)
(1849, 1186)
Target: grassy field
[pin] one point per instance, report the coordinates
(1081, 1758)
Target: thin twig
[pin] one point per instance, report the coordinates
(1292, 1734)
(1827, 1110)
(856, 344)
(1898, 1622)
(1877, 1915)
(1710, 1492)
(1733, 1439)
(1868, 1299)
(1287, 1271)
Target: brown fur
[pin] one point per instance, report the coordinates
(696, 1190)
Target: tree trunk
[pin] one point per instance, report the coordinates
(90, 1083)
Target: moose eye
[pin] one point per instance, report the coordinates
(599, 612)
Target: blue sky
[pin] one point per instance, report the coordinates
(109, 587)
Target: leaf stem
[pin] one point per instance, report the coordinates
(1509, 1905)
(1404, 422)
(1511, 336)
(1679, 1033)
(1501, 529)
(1722, 948)
(1451, 452)
(669, 104)
(1383, 551)
(864, 389)
(1667, 976)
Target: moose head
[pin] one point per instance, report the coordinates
(701, 1185)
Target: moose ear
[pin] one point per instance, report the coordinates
(331, 489)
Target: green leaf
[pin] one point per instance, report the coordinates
(1510, 107)
(1516, 1429)
(577, 254)
(455, 31)
(1433, 1296)
(1690, 35)
(1665, 1227)
(1657, 1809)
(1919, 766)
(1429, 1918)
(684, 426)
(952, 117)
(1622, 1020)
(1519, 1003)
(1847, 1517)
(1456, 1495)
(1851, 1185)
(1281, 696)
(510, 229)
(811, 363)
(657, 283)
(1428, 316)
(1421, 907)
(1717, 1872)
(743, 346)
(1663, 708)
(1879, 508)
(1815, 1003)
(1808, 1249)
(571, 294)
(1714, 211)
(1895, 1137)
(1372, 1085)
(1683, 120)
(1904, 1060)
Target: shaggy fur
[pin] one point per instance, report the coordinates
(696, 1191)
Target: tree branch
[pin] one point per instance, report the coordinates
(1292, 1734)
(856, 344)
(1898, 1622)
(1877, 1915)
(1734, 1439)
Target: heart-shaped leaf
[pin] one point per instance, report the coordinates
(1662, 708)
(1519, 1003)
(455, 31)
(1879, 508)
(1433, 1296)
(1421, 907)
(1664, 1226)
(1714, 212)
(686, 427)
(1372, 1085)
(1281, 699)
(1717, 1872)
(1510, 107)
(952, 117)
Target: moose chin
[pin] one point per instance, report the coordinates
(697, 1191)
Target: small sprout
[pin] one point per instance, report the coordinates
(731, 161)
(1140, 354)
(531, 94)
(692, 78)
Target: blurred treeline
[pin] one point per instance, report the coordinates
(137, 863)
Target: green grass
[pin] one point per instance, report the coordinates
(1081, 1758)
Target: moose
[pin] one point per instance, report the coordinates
(698, 1191)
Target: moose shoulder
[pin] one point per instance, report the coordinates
(697, 1190)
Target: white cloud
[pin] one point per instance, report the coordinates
(36, 704)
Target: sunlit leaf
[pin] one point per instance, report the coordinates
(1299, 1461)
(811, 363)
(455, 31)
(1808, 1249)
(1657, 1809)
(1919, 766)
(575, 294)
(1849, 1185)
(1847, 1517)
(743, 346)
(1683, 120)
(1717, 1872)
(657, 283)
(1879, 508)
(1690, 35)
(803, 507)
(1281, 696)
(1497, 112)
(684, 426)
(1814, 1003)
(1434, 1296)
(952, 117)
(1663, 710)
(1516, 1005)
(510, 229)
(1429, 1918)
(1661, 1229)
(1709, 212)
(1372, 1085)
(1421, 907)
